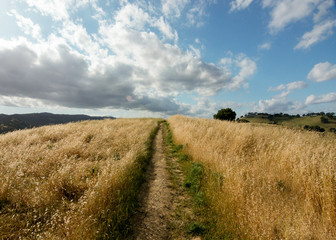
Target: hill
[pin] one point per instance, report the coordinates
(261, 181)
(9, 123)
(72, 181)
(322, 120)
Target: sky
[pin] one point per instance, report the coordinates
(160, 58)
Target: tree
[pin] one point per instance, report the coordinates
(324, 119)
(225, 114)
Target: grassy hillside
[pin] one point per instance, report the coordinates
(293, 121)
(74, 181)
(263, 182)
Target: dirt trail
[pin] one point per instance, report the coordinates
(152, 219)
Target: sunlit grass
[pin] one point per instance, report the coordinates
(71, 181)
(264, 182)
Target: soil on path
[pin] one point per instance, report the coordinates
(152, 219)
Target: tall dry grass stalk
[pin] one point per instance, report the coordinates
(67, 181)
(265, 182)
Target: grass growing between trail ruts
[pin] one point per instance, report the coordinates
(74, 181)
(191, 217)
(263, 182)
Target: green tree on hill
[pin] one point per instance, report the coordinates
(225, 114)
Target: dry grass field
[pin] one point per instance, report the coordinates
(73, 181)
(264, 182)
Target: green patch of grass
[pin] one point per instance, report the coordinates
(196, 229)
(196, 178)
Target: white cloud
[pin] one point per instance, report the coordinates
(265, 46)
(290, 86)
(274, 105)
(323, 10)
(166, 29)
(130, 63)
(248, 67)
(173, 8)
(240, 4)
(132, 16)
(325, 98)
(320, 32)
(285, 12)
(280, 103)
(277, 105)
(58, 10)
(322, 72)
(27, 25)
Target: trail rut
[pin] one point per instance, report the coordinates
(152, 219)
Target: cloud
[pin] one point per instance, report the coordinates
(274, 105)
(58, 10)
(280, 103)
(27, 25)
(265, 46)
(67, 82)
(240, 4)
(125, 65)
(173, 8)
(288, 88)
(277, 105)
(131, 62)
(322, 72)
(319, 33)
(325, 98)
(285, 12)
(248, 68)
(323, 10)
(166, 29)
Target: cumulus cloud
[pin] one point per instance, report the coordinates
(322, 72)
(274, 105)
(248, 68)
(240, 4)
(325, 98)
(319, 33)
(131, 62)
(67, 82)
(125, 65)
(280, 103)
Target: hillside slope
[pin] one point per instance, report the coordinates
(292, 121)
(72, 181)
(263, 181)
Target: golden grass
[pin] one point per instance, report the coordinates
(66, 181)
(264, 182)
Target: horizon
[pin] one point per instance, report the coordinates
(156, 59)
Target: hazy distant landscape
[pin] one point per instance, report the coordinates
(9, 123)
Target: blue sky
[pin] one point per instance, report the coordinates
(160, 58)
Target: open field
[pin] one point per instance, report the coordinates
(74, 181)
(263, 182)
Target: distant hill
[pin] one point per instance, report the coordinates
(326, 121)
(9, 123)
